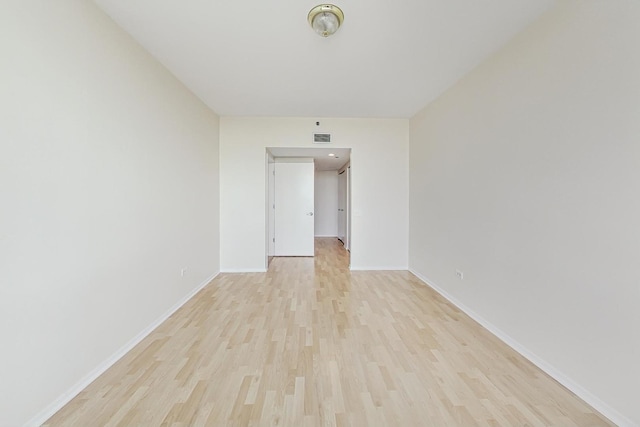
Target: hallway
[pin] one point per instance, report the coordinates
(312, 343)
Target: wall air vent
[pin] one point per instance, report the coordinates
(321, 138)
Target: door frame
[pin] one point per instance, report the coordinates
(269, 231)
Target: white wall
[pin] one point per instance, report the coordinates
(380, 190)
(526, 176)
(326, 203)
(109, 186)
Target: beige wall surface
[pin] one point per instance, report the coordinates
(379, 160)
(109, 187)
(525, 176)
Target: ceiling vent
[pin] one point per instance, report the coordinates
(321, 138)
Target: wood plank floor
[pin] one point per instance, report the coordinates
(310, 343)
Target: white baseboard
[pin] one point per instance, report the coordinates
(378, 268)
(65, 398)
(244, 270)
(600, 406)
(327, 235)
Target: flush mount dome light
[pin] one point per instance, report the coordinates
(325, 19)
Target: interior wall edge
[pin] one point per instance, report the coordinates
(67, 396)
(606, 410)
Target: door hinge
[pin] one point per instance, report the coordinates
(274, 240)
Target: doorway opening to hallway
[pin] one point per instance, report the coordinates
(307, 196)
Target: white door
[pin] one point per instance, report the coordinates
(294, 220)
(342, 206)
(347, 211)
(271, 205)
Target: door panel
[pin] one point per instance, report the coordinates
(347, 211)
(342, 205)
(294, 222)
(271, 206)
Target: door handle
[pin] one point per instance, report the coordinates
(310, 214)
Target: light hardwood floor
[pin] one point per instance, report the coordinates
(310, 343)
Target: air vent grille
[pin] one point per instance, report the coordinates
(321, 138)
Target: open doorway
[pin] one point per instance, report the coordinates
(331, 195)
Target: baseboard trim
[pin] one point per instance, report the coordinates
(600, 406)
(65, 398)
(244, 270)
(378, 268)
(326, 235)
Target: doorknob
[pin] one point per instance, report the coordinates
(310, 214)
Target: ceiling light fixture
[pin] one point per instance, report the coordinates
(331, 155)
(325, 19)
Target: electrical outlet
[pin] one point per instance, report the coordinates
(460, 274)
(183, 271)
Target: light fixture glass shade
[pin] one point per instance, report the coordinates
(325, 19)
(325, 24)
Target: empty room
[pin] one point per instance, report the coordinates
(290, 213)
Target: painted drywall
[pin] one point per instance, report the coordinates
(525, 176)
(380, 174)
(109, 184)
(326, 203)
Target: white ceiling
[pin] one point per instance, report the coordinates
(321, 159)
(258, 57)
